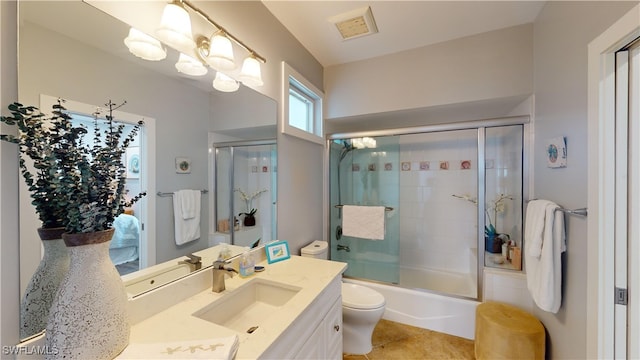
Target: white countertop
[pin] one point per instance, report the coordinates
(176, 322)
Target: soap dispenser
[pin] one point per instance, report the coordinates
(247, 264)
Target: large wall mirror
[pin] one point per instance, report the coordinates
(72, 50)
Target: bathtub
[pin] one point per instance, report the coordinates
(426, 310)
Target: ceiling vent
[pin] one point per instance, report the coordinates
(355, 23)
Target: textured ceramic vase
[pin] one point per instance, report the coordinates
(88, 318)
(43, 286)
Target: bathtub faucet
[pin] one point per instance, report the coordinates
(344, 247)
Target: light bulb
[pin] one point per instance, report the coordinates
(144, 46)
(221, 53)
(224, 83)
(190, 66)
(175, 27)
(250, 73)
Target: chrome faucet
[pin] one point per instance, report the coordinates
(344, 247)
(218, 275)
(194, 262)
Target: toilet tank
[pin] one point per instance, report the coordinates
(317, 249)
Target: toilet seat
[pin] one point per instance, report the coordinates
(361, 297)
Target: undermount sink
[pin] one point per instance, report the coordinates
(246, 308)
(157, 278)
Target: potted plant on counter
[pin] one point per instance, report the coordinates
(37, 136)
(88, 317)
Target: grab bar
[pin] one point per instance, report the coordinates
(386, 208)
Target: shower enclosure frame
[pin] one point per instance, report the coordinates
(232, 145)
(480, 126)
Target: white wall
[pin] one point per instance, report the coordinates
(562, 32)
(492, 65)
(9, 236)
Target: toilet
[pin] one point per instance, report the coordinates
(362, 307)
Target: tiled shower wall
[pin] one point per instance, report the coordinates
(418, 175)
(437, 230)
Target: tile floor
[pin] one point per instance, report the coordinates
(392, 340)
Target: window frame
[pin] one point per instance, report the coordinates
(293, 80)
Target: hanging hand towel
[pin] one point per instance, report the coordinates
(544, 272)
(534, 226)
(366, 222)
(187, 227)
(218, 348)
(189, 203)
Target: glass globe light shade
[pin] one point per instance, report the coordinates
(190, 66)
(250, 73)
(224, 83)
(221, 53)
(175, 27)
(144, 46)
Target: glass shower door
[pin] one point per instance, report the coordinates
(365, 172)
(246, 193)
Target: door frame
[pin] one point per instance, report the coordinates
(601, 183)
(147, 183)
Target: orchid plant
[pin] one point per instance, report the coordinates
(248, 199)
(497, 206)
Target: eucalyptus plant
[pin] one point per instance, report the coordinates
(92, 175)
(38, 136)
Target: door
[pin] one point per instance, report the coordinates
(627, 208)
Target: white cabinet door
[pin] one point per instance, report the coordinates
(313, 348)
(333, 331)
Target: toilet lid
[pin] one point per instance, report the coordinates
(361, 297)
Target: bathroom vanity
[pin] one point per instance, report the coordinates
(292, 309)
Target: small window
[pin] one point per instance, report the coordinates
(302, 107)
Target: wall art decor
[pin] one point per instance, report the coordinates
(557, 152)
(133, 162)
(183, 165)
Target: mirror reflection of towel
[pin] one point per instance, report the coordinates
(187, 227)
(366, 222)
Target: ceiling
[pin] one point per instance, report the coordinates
(402, 25)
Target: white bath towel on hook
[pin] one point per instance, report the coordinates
(365, 222)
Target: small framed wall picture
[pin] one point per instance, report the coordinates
(133, 162)
(557, 152)
(183, 165)
(277, 251)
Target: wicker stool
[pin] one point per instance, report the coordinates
(506, 332)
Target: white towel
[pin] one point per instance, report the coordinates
(217, 348)
(544, 271)
(534, 226)
(366, 222)
(186, 228)
(189, 202)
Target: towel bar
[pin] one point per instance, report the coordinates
(386, 208)
(166, 194)
(578, 212)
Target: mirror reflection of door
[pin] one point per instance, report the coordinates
(137, 181)
(126, 242)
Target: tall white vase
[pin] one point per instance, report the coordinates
(43, 286)
(88, 318)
